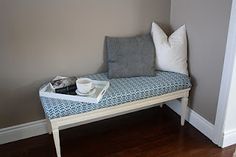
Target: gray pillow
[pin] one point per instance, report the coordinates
(131, 56)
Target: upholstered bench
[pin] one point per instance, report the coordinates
(124, 95)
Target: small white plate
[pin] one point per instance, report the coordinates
(91, 92)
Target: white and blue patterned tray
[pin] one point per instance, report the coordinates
(100, 86)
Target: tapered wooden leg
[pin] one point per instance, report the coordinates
(234, 153)
(49, 126)
(161, 105)
(57, 141)
(184, 104)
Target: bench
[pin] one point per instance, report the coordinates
(125, 95)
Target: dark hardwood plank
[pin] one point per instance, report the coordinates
(155, 132)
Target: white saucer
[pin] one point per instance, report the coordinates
(91, 92)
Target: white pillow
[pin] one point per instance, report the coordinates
(171, 53)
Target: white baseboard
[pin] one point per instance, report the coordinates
(229, 138)
(23, 131)
(194, 119)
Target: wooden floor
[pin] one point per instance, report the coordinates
(154, 132)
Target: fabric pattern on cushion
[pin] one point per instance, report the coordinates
(121, 91)
(131, 56)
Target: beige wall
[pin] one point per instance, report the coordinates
(40, 39)
(207, 26)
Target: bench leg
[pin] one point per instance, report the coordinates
(57, 141)
(234, 155)
(49, 126)
(162, 104)
(184, 104)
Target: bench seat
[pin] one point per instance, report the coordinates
(121, 90)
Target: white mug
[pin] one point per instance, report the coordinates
(84, 85)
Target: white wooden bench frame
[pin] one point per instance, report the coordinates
(54, 125)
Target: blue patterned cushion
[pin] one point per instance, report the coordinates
(121, 90)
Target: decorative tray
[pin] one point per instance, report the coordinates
(100, 86)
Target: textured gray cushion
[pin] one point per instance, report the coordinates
(130, 57)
